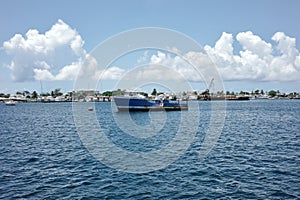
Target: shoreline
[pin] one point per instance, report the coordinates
(200, 100)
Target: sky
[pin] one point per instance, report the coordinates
(253, 44)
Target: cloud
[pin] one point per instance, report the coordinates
(258, 60)
(112, 73)
(152, 72)
(43, 74)
(254, 44)
(183, 65)
(191, 66)
(255, 60)
(58, 54)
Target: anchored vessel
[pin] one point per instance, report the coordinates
(10, 103)
(143, 104)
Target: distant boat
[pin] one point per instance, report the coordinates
(10, 103)
(238, 98)
(131, 103)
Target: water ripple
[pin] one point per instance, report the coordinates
(256, 157)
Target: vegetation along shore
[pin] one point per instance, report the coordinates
(92, 95)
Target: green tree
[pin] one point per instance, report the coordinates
(154, 92)
(4, 95)
(220, 92)
(56, 93)
(70, 94)
(45, 94)
(34, 95)
(117, 92)
(272, 93)
(107, 93)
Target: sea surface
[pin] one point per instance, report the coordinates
(256, 156)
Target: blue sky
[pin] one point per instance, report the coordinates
(204, 21)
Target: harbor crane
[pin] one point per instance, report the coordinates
(206, 93)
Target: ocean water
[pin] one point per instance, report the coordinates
(256, 156)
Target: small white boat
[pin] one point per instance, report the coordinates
(10, 103)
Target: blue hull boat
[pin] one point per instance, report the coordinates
(142, 104)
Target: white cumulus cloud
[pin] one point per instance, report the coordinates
(111, 73)
(58, 54)
(254, 44)
(253, 60)
(258, 60)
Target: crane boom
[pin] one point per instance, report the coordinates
(210, 86)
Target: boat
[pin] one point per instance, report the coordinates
(238, 98)
(10, 103)
(131, 103)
